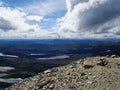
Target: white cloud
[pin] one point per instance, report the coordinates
(84, 19)
(13, 23)
(90, 18)
(19, 22)
(33, 17)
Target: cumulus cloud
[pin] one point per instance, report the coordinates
(71, 3)
(26, 21)
(12, 18)
(91, 18)
(84, 19)
(14, 23)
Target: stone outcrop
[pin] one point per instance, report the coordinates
(91, 73)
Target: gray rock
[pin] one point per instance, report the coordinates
(88, 64)
(51, 86)
(102, 62)
(113, 56)
(89, 82)
(71, 66)
(47, 71)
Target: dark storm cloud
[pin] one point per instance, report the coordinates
(100, 14)
(5, 25)
(93, 17)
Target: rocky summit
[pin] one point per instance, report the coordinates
(90, 73)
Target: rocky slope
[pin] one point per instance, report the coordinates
(91, 73)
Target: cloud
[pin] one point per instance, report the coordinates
(14, 23)
(84, 19)
(13, 18)
(91, 18)
(34, 20)
(45, 7)
(6, 25)
(71, 3)
(33, 17)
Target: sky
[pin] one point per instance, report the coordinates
(59, 19)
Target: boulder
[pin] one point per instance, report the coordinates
(88, 64)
